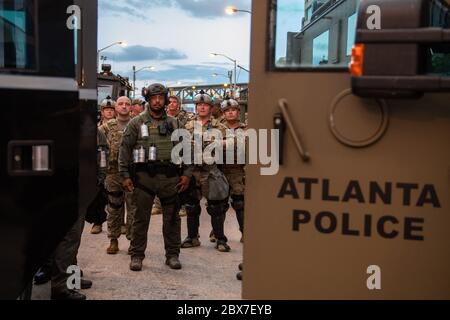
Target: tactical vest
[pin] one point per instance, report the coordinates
(160, 136)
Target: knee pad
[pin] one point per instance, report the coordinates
(118, 201)
(237, 202)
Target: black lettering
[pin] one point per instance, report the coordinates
(367, 225)
(308, 186)
(346, 226)
(353, 192)
(319, 222)
(288, 189)
(382, 230)
(385, 195)
(326, 192)
(300, 217)
(407, 188)
(410, 227)
(429, 195)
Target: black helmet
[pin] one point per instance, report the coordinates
(156, 89)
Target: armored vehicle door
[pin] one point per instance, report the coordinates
(48, 131)
(360, 206)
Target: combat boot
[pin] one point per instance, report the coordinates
(67, 294)
(173, 263)
(113, 247)
(96, 229)
(190, 243)
(222, 246)
(136, 264)
(85, 284)
(239, 276)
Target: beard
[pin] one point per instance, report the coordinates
(157, 108)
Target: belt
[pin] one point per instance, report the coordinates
(164, 168)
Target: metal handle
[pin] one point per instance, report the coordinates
(284, 110)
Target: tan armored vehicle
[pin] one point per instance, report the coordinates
(360, 207)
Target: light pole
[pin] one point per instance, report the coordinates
(235, 67)
(122, 43)
(232, 10)
(134, 77)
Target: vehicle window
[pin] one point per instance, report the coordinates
(439, 55)
(313, 33)
(17, 35)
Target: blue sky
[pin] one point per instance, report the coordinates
(176, 37)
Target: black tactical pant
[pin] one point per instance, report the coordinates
(66, 255)
(216, 209)
(146, 188)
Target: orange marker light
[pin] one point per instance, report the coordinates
(357, 62)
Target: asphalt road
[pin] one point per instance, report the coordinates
(206, 274)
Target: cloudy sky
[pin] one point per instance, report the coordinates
(176, 37)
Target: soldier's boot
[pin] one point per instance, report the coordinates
(136, 264)
(173, 263)
(193, 223)
(239, 276)
(113, 247)
(191, 243)
(241, 266)
(96, 229)
(66, 294)
(212, 237)
(85, 284)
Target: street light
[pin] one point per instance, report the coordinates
(232, 10)
(134, 76)
(121, 43)
(232, 60)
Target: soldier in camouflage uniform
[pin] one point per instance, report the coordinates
(145, 160)
(216, 110)
(235, 173)
(113, 130)
(216, 208)
(108, 110)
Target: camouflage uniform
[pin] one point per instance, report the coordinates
(235, 174)
(216, 208)
(113, 183)
(158, 178)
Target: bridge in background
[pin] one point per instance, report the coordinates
(187, 94)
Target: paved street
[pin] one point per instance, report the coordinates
(206, 273)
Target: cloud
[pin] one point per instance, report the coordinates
(143, 53)
(181, 72)
(198, 8)
(117, 9)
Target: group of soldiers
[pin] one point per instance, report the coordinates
(137, 145)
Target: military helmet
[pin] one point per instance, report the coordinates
(217, 100)
(230, 103)
(156, 89)
(202, 97)
(108, 103)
